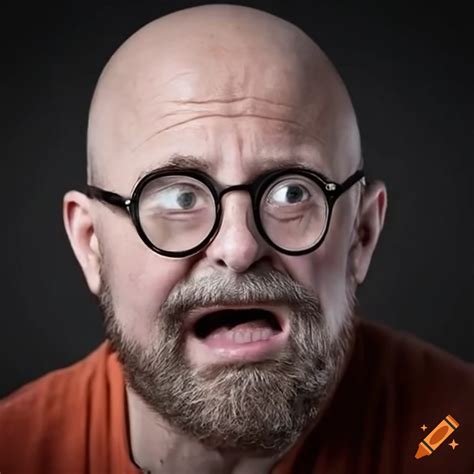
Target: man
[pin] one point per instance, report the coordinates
(225, 229)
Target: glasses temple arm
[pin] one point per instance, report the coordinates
(107, 196)
(358, 175)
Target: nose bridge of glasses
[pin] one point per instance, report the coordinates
(248, 211)
(246, 188)
(236, 187)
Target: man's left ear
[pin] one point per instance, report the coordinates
(369, 225)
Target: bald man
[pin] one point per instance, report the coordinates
(225, 229)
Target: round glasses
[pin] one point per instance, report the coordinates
(178, 212)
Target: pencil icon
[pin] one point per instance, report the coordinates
(437, 436)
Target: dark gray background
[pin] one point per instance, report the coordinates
(410, 73)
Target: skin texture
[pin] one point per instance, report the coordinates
(242, 90)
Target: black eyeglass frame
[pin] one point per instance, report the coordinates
(255, 188)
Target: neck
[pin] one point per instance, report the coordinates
(157, 448)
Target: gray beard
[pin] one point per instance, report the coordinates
(255, 407)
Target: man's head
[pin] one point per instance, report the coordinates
(243, 92)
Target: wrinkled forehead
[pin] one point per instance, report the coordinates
(161, 79)
(209, 98)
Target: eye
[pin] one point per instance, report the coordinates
(177, 198)
(288, 193)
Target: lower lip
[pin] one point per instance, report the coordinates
(218, 350)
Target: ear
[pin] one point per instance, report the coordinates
(82, 236)
(368, 227)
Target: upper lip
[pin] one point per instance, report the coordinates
(195, 315)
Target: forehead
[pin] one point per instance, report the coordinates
(178, 162)
(230, 149)
(237, 136)
(179, 90)
(234, 112)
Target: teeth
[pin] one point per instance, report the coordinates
(245, 336)
(264, 334)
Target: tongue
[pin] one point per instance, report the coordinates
(249, 325)
(256, 329)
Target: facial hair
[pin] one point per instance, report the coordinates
(259, 407)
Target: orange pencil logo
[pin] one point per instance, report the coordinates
(436, 437)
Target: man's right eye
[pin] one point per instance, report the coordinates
(175, 198)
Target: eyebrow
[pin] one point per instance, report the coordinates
(181, 162)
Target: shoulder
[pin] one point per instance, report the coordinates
(71, 380)
(394, 384)
(413, 384)
(52, 410)
(407, 359)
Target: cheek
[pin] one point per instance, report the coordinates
(140, 281)
(322, 271)
(325, 270)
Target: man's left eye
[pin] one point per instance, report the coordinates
(289, 194)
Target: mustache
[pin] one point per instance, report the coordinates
(253, 287)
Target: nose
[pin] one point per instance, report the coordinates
(238, 244)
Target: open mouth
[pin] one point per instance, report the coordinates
(238, 325)
(234, 334)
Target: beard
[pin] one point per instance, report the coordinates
(257, 407)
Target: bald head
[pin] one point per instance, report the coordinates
(232, 92)
(223, 61)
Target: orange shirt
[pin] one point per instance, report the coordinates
(74, 420)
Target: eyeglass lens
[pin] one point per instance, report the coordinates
(178, 212)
